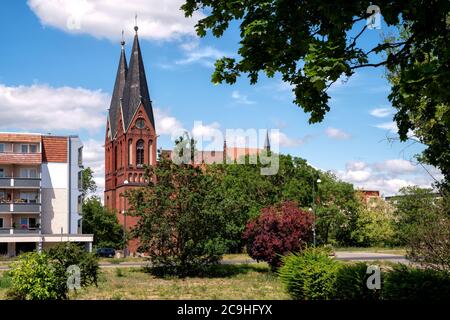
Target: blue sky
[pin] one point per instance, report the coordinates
(59, 58)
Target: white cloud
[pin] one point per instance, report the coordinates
(396, 166)
(167, 124)
(194, 53)
(356, 165)
(381, 112)
(338, 134)
(45, 108)
(390, 126)
(160, 20)
(241, 98)
(388, 176)
(280, 138)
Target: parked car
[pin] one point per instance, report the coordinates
(106, 252)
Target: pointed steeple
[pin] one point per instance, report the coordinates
(136, 89)
(119, 86)
(267, 142)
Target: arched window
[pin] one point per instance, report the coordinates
(130, 152)
(150, 152)
(140, 153)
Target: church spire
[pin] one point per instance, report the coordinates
(136, 90)
(118, 90)
(267, 142)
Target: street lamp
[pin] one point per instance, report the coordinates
(313, 209)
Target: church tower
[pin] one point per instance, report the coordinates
(130, 141)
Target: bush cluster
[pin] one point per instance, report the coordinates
(313, 275)
(43, 276)
(278, 231)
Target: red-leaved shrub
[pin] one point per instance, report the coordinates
(277, 231)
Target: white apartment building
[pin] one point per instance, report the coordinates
(40, 192)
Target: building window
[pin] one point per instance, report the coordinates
(2, 147)
(140, 123)
(28, 148)
(28, 173)
(213, 153)
(150, 152)
(130, 152)
(80, 157)
(1, 223)
(28, 197)
(24, 223)
(2, 173)
(80, 180)
(140, 153)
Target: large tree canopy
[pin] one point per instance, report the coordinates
(314, 43)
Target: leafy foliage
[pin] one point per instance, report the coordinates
(424, 226)
(34, 277)
(97, 220)
(88, 183)
(406, 283)
(310, 275)
(351, 283)
(375, 223)
(64, 255)
(313, 44)
(278, 230)
(174, 225)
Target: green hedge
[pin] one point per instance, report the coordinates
(313, 275)
(407, 283)
(310, 275)
(351, 283)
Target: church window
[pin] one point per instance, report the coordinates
(130, 152)
(140, 153)
(140, 123)
(150, 152)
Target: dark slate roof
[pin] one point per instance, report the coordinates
(118, 92)
(136, 89)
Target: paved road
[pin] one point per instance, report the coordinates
(370, 256)
(342, 255)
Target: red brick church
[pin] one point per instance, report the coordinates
(130, 134)
(131, 140)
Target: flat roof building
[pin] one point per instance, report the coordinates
(40, 192)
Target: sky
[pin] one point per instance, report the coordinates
(58, 61)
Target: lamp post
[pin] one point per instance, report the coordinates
(313, 207)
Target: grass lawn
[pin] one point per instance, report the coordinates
(253, 281)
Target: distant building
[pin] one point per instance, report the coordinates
(367, 195)
(40, 192)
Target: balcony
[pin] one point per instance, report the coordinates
(6, 231)
(20, 207)
(33, 183)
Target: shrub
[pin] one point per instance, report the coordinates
(309, 275)
(34, 278)
(351, 283)
(406, 283)
(278, 231)
(66, 254)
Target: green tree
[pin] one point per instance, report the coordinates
(88, 183)
(375, 223)
(97, 220)
(424, 226)
(175, 227)
(336, 210)
(313, 44)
